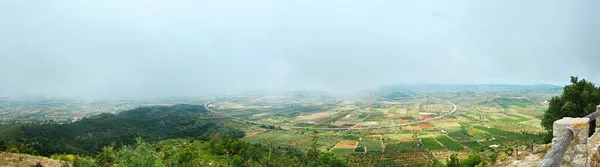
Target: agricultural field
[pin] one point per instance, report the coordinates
(277, 138)
(342, 152)
(448, 143)
(371, 145)
(381, 125)
(431, 143)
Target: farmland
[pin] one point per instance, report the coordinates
(371, 145)
(448, 143)
(392, 128)
(342, 152)
(431, 144)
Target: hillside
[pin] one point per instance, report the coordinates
(88, 136)
(24, 160)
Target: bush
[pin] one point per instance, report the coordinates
(3, 145)
(13, 150)
(471, 161)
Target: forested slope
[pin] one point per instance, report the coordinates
(88, 136)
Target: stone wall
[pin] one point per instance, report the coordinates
(577, 151)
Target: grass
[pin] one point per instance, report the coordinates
(431, 144)
(451, 145)
(371, 145)
(342, 152)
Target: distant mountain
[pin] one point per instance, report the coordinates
(465, 87)
(88, 136)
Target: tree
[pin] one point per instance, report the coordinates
(328, 159)
(453, 161)
(578, 99)
(141, 154)
(494, 157)
(313, 152)
(107, 156)
(471, 161)
(237, 161)
(3, 145)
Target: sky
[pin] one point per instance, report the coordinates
(191, 47)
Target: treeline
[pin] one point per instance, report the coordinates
(218, 151)
(90, 135)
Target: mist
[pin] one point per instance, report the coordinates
(191, 47)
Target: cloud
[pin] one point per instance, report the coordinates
(138, 48)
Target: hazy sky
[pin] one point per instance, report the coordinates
(145, 47)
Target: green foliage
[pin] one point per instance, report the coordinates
(436, 163)
(225, 151)
(494, 157)
(330, 160)
(546, 137)
(3, 145)
(84, 162)
(578, 99)
(453, 161)
(471, 161)
(21, 148)
(142, 154)
(89, 135)
(75, 160)
(13, 150)
(313, 152)
(107, 156)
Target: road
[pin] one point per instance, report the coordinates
(365, 128)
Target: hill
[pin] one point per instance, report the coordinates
(88, 136)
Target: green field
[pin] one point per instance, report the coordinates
(350, 137)
(507, 134)
(431, 144)
(337, 116)
(363, 115)
(278, 138)
(474, 145)
(451, 145)
(507, 102)
(371, 145)
(342, 152)
(323, 144)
